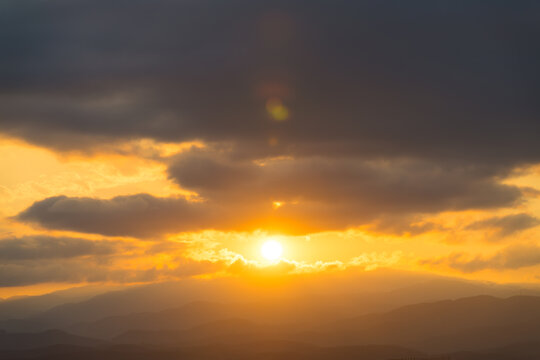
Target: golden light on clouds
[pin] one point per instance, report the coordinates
(38, 173)
(138, 167)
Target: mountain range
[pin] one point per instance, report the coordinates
(415, 317)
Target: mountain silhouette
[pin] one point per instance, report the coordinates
(23, 341)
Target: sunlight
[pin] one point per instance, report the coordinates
(277, 204)
(272, 250)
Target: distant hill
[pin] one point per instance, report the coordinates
(338, 297)
(184, 317)
(473, 328)
(232, 331)
(266, 350)
(518, 351)
(24, 341)
(465, 324)
(468, 323)
(19, 307)
(297, 311)
(252, 351)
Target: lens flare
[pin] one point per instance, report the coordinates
(277, 110)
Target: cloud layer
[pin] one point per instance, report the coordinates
(309, 116)
(139, 215)
(311, 195)
(510, 258)
(48, 247)
(505, 225)
(417, 80)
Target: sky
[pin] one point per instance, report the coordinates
(146, 141)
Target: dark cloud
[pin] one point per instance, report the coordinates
(377, 186)
(450, 80)
(139, 215)
(39, 259)
(505, 225)
(390, 107)
(92, 270)
(512, 257)
(77, 271)
(403, 224)
(70, 271)
(315, 194)
(48, 247)
(146, 216)
(344, 192)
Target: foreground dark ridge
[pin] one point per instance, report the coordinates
(464, 328)
(266, 351)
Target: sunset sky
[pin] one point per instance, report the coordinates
(172, 139)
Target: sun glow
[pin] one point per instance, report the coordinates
(272, 250)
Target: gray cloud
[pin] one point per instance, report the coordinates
(48, 247)
(403, 224)
(348, 191)
(379, 186)
(37, 259)
(506, 225)
(512, 257)
(91, 270)
(442, 94)
(316, 195)
(70, 271)
(139, 215)
(40, 259)
(417, 80)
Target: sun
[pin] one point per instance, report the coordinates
(272, 250)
